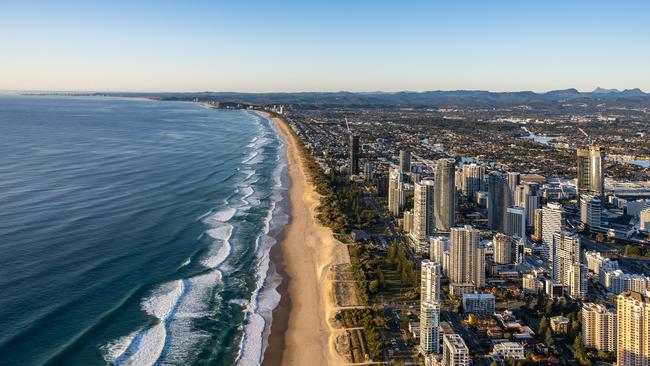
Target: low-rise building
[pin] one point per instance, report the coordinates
(479, 303)
(505, 350)
(560, 324)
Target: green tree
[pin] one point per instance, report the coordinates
(543, 325)
(548, 338)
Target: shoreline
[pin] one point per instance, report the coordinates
(301, 332)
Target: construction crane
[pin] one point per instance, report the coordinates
(586, 135)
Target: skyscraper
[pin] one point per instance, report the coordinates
(590, 211)
(502, 249)
(423, 220)
(515, 222)
(590, 171)
(531, 201)
(396, 197)
(467, 258)
(430, 327)
(566, 252)
(599, 327)
(514, 179)
(472, 181)
(577, 286)
(552, 222)
(444, 206)
(633, 326)
(498, 200)
(430, 281)
(438, 246)
(354, 155)
(404, 161)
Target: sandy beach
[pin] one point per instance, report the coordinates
(301, 333)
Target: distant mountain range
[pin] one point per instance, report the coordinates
(438, 98)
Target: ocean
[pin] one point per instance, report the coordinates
(136, 232)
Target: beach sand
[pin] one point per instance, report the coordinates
(301, 333)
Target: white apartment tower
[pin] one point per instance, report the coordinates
(423, 220)
(430, 281)
(552, 222)
(599, 327)
(466, 257)
(633, 329)
(430, 327)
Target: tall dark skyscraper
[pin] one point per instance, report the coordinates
(405, 161)
(498, 200)
(590, 171)
(354, 154)
(444, 206)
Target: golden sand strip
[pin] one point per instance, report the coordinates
(308, 251)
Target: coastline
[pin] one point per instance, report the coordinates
(301, 332)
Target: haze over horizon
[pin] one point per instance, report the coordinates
(324, 46)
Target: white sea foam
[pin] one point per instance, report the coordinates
(146, 346)
(223, 215)
(265, 298)
(195, 304)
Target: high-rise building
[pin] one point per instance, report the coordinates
(396, 195)
(438, 246)
(430, 327)
(590, 211)
(444, 207)
(430, 281)
(423, 220)
(577, 285)
(404, 161)
(599, 265)
(502, 248)
(514, 179)
(454, 351)
(467, 258)
(590, 171)
(644, 220)
(498, 200)
(355, 153)
(515, 224)
(368, 171)
(633, 327)
(566, 252)
(531, 201)
(552, 222)
(599, 327)
(617, 281)
(473, 178)
(537, 226)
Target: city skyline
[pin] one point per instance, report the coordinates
(333, 46)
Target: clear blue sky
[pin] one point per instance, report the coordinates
(331, 45)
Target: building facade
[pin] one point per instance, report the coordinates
(633, 328)
(599, 327)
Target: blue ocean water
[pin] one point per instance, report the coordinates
(136, 232)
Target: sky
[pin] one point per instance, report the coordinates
(316, 45)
